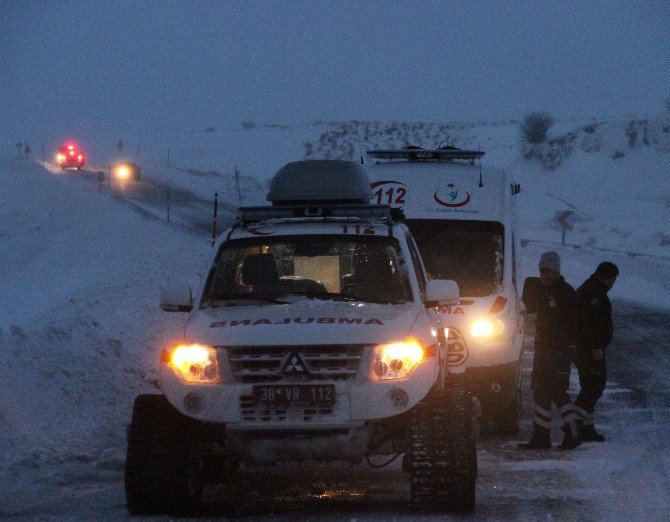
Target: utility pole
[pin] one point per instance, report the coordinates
(168, 204)
(216, 204)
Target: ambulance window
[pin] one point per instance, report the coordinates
(416, 261)
(469, 252)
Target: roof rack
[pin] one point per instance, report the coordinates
(247, 215)
(418, 154)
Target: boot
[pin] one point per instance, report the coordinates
(571, 440)
(588, 433)
(539, 440)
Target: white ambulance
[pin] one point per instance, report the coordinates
(317, 336)
(462, 218)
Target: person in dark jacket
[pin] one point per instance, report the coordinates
(595, 334)
(555, 331)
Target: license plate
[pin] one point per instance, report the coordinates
(298, 395)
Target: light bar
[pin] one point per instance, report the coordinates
(256, 214)
(426, 154)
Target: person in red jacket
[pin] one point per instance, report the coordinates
(555, 331)
(595, 334)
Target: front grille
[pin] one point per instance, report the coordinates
(254, 364)
(457, 350)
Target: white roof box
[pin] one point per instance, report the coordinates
(320, 181)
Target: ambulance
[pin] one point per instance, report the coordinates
(316, 337)
(461, 215)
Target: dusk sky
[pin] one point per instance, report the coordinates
(156, 66)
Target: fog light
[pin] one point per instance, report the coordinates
(398, 397)
(193, 403)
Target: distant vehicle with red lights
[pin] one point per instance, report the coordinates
(70, 156)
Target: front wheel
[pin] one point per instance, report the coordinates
(162, 472)
(443, 452)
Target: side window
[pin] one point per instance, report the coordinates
(418, 266)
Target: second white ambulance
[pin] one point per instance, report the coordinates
(462, 218)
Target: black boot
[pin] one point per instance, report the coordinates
(539, 440)
(571, 440)
(588, 433)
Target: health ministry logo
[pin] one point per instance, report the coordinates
(452, 198)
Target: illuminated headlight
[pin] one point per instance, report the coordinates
(395, 360)
(60, 158)
(487, 328)
(123, 172)
(196, 363)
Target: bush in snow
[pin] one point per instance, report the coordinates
(534, 127)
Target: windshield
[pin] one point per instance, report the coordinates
(469, 252)
(329, 267)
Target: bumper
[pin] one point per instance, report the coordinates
(356, 402)
(72, 164)
(495, 386)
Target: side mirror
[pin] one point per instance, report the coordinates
(442, 292)
(176, 298)
(531, 292)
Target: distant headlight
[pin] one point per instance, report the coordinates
(487, 328)
(395, 360)
(196, 363)
(60, 158)
(122, 172)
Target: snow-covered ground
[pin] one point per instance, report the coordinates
(80, 329)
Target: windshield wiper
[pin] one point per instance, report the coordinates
(247, 297)
(344, 297)
(323, 295)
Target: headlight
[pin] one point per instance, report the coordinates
(123, 172)
(196, 363)
(395, 360)
(487, 328)
(60, 158)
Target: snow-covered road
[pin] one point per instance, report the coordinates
(625, 478)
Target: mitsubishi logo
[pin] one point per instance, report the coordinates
(294, 365)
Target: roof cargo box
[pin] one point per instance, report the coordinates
(320, 181)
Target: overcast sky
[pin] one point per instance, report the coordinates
(156, 65)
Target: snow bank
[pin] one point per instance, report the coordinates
(79, 321)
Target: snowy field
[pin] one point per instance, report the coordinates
(81, 267)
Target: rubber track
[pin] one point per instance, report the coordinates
(443, 450)
(156, 470)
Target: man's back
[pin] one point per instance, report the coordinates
(595, 315)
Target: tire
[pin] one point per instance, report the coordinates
(508, 419)
(161, 471)
(443, 462)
